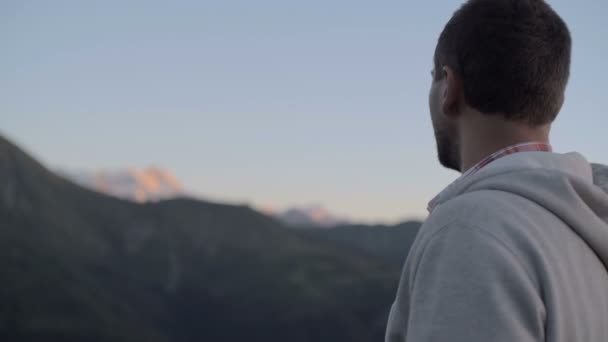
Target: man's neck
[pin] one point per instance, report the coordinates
(483, 137)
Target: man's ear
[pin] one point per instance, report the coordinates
(452, 93)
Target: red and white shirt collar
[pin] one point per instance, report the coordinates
(525, 147)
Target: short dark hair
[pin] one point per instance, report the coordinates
(513, 57)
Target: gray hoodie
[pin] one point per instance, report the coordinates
(516, 252)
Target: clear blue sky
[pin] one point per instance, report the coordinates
(269, 102)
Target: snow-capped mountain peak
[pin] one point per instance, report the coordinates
(305, 216)
(140, 185)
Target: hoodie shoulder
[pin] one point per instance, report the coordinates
(467, 209)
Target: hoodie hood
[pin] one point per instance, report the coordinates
(565, 184)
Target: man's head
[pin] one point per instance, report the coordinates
(507, 60)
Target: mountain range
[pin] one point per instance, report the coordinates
(78, 265)
(153, 184)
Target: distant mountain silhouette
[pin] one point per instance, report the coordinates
(77, 265)
(153, 184)
(600, 176)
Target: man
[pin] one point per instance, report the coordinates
(516, 249)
